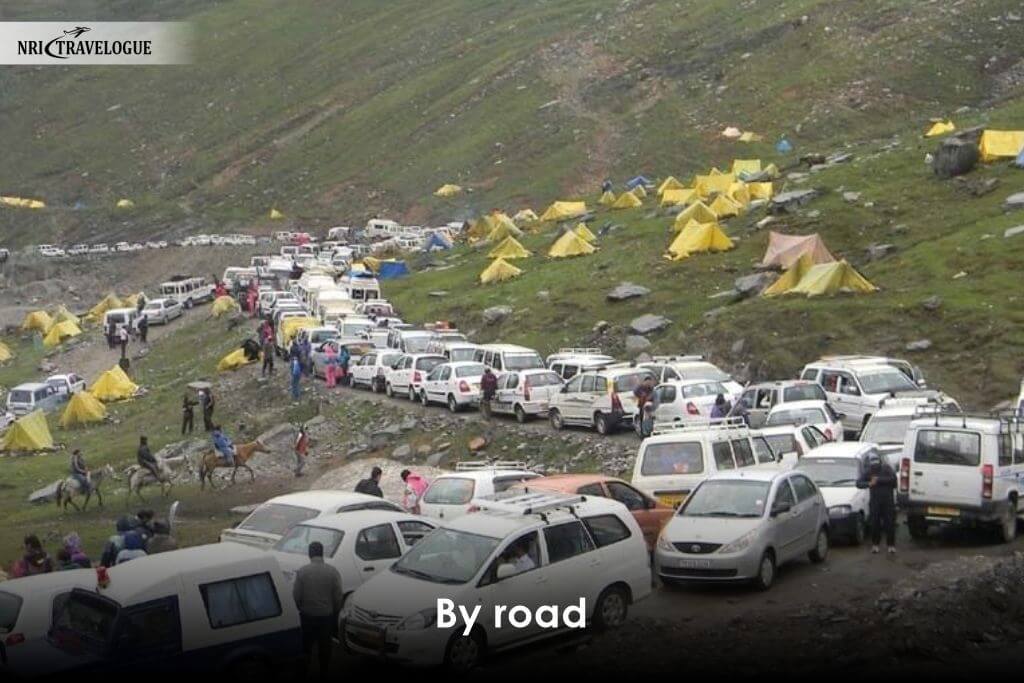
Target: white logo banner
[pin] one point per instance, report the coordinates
(94, 42)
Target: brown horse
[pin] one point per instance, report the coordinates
(213, 461)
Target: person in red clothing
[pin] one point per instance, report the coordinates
(301, 449)
(488, 388)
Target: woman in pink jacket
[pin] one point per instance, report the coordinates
(415, 485)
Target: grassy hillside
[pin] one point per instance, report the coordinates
(333, 112)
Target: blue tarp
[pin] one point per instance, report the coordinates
(639, 180)
(437, 241)
(784, 146)
(389, 270)
(1019, 163)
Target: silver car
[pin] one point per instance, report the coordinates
(742, 526)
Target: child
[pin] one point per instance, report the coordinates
(301, 448)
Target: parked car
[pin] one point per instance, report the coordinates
(669, 368)
(888, 427)
(588, 550)
(26, 398)
(569, 362)
(836, 468)
(208, 608)
(409, 341)
(453, 352)
(525, 393)
(602, 399)
(99, 249)
(265, 525)
(499, 357)
(757, 399)
(791, 442)
(371, 370)
(742, 526)
(162, 311)
(817, 413)
(66, 384)
(454, 494)
(409, 371)
(456, 385)
(190, 291)
(962, 470)
(318, 355)
(686, 400)
(120, 317)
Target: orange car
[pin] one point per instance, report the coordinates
(649, 513)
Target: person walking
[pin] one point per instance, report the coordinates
(188, 415)
(415, 486)
(318, 595)
(371, 486)
(122, 338)
(330, 365)
(143, 328)
(880, 480)
(301, 449)
(488, 388)
(296, 375)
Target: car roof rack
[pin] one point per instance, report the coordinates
(1009, 420)
(477, 465)
(531, 503)
(678, 358)
(730, 423)
(580, 351)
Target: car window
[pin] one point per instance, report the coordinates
(512, 381)
(377, 543)
(830, 381)
(567, 540)
(591, 490)
(763, 450)
(803, 486)
(275, 518)
(523, 554)
(450, 491)
(939, 447)
(154, 627)
(10, 607)
(723, 455)
(744, 453)
(813, 436)
(784, 494)
(810, 374)
(627, 495)
(240, 601)
(573, 386)
(606, 529)
(664, 394)
(685, 457)
(298, 538)
(413, 531)
(502, 484)
(803, 392)
(589, 384)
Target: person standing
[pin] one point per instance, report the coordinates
(207, 402)
(371, 486)
(643, 393)
(301, 449)
(488, 388)
(34, 561)
(122, 338)
(721, 409)
(188, 415)
(161, 541)
(415, 486)
(330, 365)
(344, 358)
(143, 328)
(880, 480)
(112, 335)
(296, 375)
(318, 595)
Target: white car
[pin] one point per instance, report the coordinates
(525, 393)
(162, 311)
(265, 525)
(791, 442)
(887, 428)
(407, 375)
(78, 250)
(742, 526)
(453, 495)
(99, 249)
(837, 468)
(602, 399)
(757, 399)
(372, 369)
(7, 418)
(66, 384)
(51, 252)
(586, 552)
(669, 368)
(456, 385)
(569, 362)
(686, 400)
(359, 544)
(817, 413)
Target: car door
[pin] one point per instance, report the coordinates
(364, 370)
(641, 507)
(785, 524)
(574, 565)
(666, 403)
(529, 586)
(376, 549)
(412, 532)
(437, 389)
(808, 507)
(567, 400)
(850, 402)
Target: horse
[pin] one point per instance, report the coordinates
(139, 476)
(213, 461)
(68, 488)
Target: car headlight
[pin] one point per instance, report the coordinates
(840, 511)
(741, 543)
(665, 544)
(418, 621)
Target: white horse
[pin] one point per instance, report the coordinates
(71, 487)
(139, 477)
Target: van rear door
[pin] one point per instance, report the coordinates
(946, 466)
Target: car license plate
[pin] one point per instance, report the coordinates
(371, 637)
(672, 499)
(943, 512)
(695, 564)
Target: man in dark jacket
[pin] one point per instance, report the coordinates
(488, 388)
(880, 479)
(143, 328)
(188, 415)
(371, 486)
(318, 595)
(146, 459)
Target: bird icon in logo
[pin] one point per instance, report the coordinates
(76, 31)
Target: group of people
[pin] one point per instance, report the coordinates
(35, 559)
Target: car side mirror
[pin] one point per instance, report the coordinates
(841, 416)
(504, 571)
(781, 508)
(922, 383)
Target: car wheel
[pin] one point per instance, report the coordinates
(521, 416)
(918, 527)
(603, 424)
(1008, 526)
(389, 391)
(765, 572)
(820, 552)
(453, 405)
(464, 653)
(555, 418)
(611, 609)
(375, 385)
(423, 398)
(859, 530)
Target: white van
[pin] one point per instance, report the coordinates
(188, 290)
(235, 274)
(500, 357)
(120, 317)
(25, 398)
(569, 362)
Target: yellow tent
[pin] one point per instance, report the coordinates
(607, 199)
(510, 248)
(698, 238)
(676, 196)
(706, 185)
(5, 353)
(525, 216)
(560, 211)
(28, 433)
(39, 321)
(724, 207)
(59, 332)
(448, 190)
(223, 305)
(276, 215)
(697, 211)
(372, 264)
(746, 166)
(570, 244)
(501, 227)
(750, 137)
(22, 203)
(1001, 144)
(760, 190)
(830, 278)
(670, 183)
(739, 193)
(640, 191)
(791, 278)
(233, 361)
(113, 385)
(584, 232)
(125, 204)
(63, 315)
(940, 128)
(83, 408)
(291, 326)
(626, 200)
(499, 271)
(110, 301)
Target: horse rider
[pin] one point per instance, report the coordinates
(80, 471)
(223, 444)
(146, 459)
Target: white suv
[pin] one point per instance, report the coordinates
(456, 385)
(888, 427)
(670, 368)
(525, 393)
(453, 495)
(817, 413)
(407, 375)
(962, 469)
(686, 400)
(585, 551)
(372, 369)
(602, 399)
(569, 362)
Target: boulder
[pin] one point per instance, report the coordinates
(403, 451)
(477, 443)
(851, 197)
(648, 323)
(788, 202)
(47, 494)
(1013, 232)
(496, 314)
(955, 157)
(635, 344)
(1014, 202)
(932, 303)
(435, 459)
(752, 285)
(627, 290)
(876, 252)
(919, 345)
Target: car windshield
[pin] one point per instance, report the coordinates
(275, 518)
(704, 389)
(475, 370)
(703, 371)
(523, 361)
(886, 382)
(416, 344)
(796, 416)
(886, 430)
(727, 498)
(10, 607)
(353, 330)
(429, 363)
(298, 538)
(450, 491)
(783, 443)
(19, 396)
(661, 459)
(627, 383)
(544, 379)
(938, 447)
(447, 556)
(458, 355)
(827, 472)
(389, 359)
(803, 392)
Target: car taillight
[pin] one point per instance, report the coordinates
(986, 482)
(691, 409)
(526, 390)
(464, 386)
(473, 508)
(417, 377)
(828, 433)
(905, 475)
(14, 639)
(616, 403)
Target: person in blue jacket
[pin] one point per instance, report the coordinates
(223, 444)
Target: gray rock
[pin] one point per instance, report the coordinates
(279, 437)
(919, 345)
(851, 197)
(788, 202)
(738, 347)
(435, 459)
(932, 303)
(379, 440)
(408, 424)
(438, 294)
(47, 494)
(544, 295)
(496, 314)
(403, 451)
(752, 285)
(627, 290)
(648, 323)
(635, 344)
(876, 252)
(644, 357)
(1013, 232)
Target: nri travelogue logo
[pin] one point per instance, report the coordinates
(94, 43)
